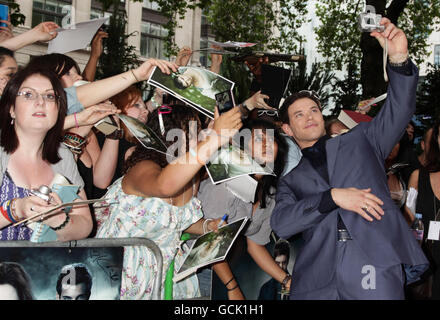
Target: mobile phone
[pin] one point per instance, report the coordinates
(225, 101)
(4, 14)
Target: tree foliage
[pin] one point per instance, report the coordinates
(428, 97)
(17, 18)
(339, 34)
(317, 80)
(272, 25)
(118, 56)
(340, 41)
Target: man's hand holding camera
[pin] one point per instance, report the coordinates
(397, 42)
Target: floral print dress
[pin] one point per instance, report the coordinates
(157, 220)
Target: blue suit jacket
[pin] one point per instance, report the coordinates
(355, 159)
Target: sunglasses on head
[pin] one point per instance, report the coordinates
(270, 113)
(311, 93)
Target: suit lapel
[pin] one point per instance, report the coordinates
(331, 148)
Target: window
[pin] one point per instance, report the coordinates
(95, 14)
(205, 37)
(51, 10)
(150, 5)
(437, 55)
(152, 40)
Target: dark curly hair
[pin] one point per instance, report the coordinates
(179, 118)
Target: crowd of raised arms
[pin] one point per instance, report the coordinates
(342, 189)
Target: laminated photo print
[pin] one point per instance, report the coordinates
(145, 135)
(194, 86)
(232, 162)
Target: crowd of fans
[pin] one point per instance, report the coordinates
(48, 110)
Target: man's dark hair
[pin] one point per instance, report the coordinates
(55, 62)
(82, 275)
(5, 52)
(282, 247)
(283, 112)
(8, 136)
(13, 274)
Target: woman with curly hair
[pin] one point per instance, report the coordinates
(155, 199)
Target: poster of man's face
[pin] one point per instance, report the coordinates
(60, 273)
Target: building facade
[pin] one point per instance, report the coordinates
(144, 21)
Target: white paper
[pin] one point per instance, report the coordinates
(75, 37)
(411, 200)
(434, 230)
(243, 187)
(233, 44)
(378, 99)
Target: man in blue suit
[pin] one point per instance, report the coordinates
(357, 243)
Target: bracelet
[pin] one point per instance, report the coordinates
(74, 142)
(233, 288)
(399, 64)
(205, 225)
(134, 75)
(76, 121)
(226, 284)
(63, 225)
(285, 280)
(4, 210)
(13, 212)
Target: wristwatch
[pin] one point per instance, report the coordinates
(116, 135)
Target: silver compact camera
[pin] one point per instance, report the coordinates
(43, 192)
(369, 21)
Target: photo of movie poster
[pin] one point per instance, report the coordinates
(55, 273)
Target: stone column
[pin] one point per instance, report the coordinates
(134, 14)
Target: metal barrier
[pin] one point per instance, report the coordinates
(102, 242)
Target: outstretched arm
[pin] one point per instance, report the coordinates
(45, 31)
(97, 49)
(168, 181)
(389, 124)
(95, 92)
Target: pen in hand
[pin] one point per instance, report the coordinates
(223, 220)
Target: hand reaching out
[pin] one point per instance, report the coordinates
(45, 31)
(97, 47)
(93, 114)
(144, 71)
(257, 101)
(6, 32)
(183, 56)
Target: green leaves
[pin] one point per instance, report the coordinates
(428, 96)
